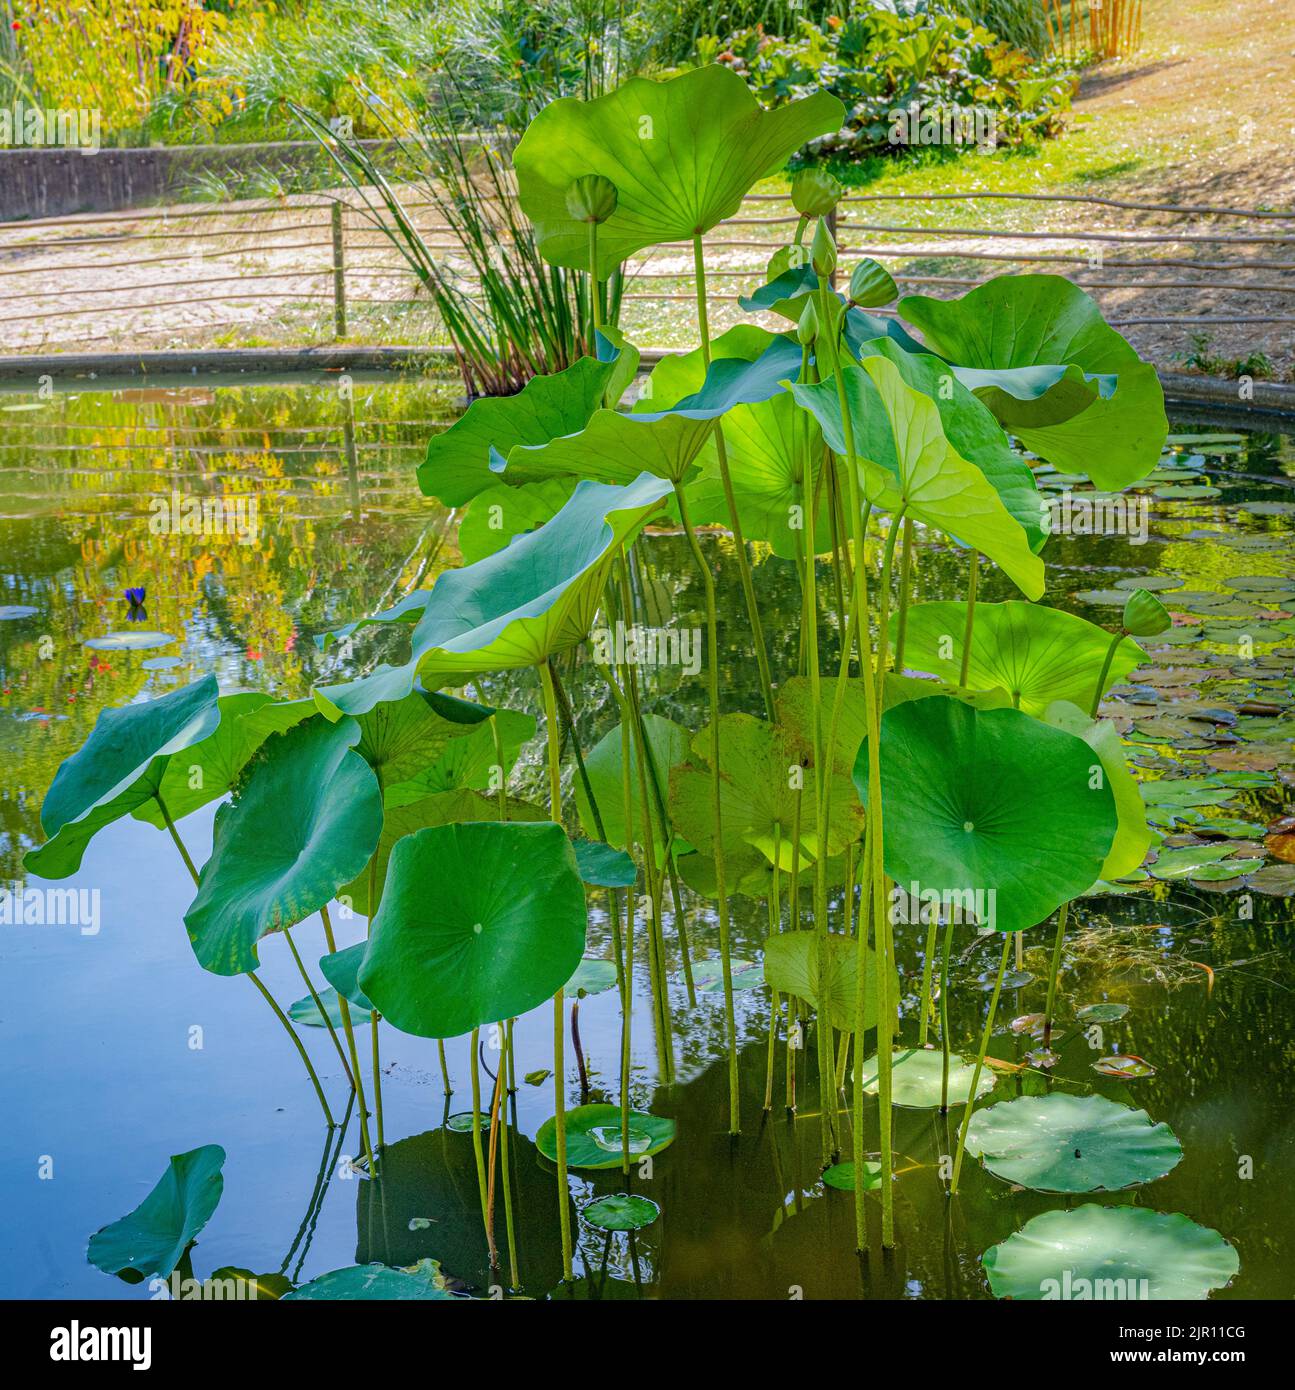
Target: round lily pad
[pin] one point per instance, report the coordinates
(461, 1121)
(708, 975)
(376, 1282)
(1126, 1066)
(594, 1136)
(1101, 1013)
(1275, 879)
(916, 1078)
(159, 663)
(622, 1211)
(841, 1175)
(129, 641)
(1099, 1252)
(1064, 1143)
(11, 612)
(591, 977)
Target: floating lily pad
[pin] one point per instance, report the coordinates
(708, 975)
(1101, 1013)
(461, 1121)
(1100, 1252)
(591, 977)
(160, 663)
(1126, 1066)
(1192, 861)
(1278, 880)
(11, 612)
(364, 1283)
(622, 1211)
(841, 1176)
(916, 1078)
(594, 1136)
(1065, 1143)
(129, 641)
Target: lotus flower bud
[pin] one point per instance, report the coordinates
(1145, 615)
(807, 328)
(591, 198)
(815, 192)
(822, 250)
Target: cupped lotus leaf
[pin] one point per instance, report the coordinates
(758, 802)
(591, 977)
(746, 872)
(467, 763)
(1144, 615)
(907, 461)
(152, 1239)
(616, 448)
(917, 1078)
(724, 376)
(971, 429)
(457, 466)
(621, 1211)
(306, 1012)
(1031, 321)
(538, 597)
(601, 866)
(681, 154)
(497, 515)
(436, 808)
(1038, 655)
(668, 747)
(594, 1136)
(367, 1283)
(1066, 1143)
(1111, 1253)
(1134, 837)
(871, 284)
(974, 800)
(478, 922)
(789, 279)
(306, 821)
(342, 970)
(791, 966)
(117, 769)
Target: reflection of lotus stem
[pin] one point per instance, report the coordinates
(1101, 679)
(944, 1016)
(721, 879)
(860, 1015)
(559, 1097)
(721, 454)
(579, 1051)
(980, 1061)
(1053, 971)
(905, 583)
(501, 1086)
(319, 1004)
(775, 926)
(927, 962)
(375, 1019)
(627, 987)
(251, 975)
(793, 914)
(345, 1009)
(483, 1186)
(973, 570)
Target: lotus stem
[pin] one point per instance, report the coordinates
(345, 1009)
(445, 1070)
(1101, 679)
(319, 1004)
(927, 963)
(1054, 970)
(501, 1086)
(559, 1080)
(721, 880)
(374, 1020)
(860, 1015)
(579, 1051)
(483, 1186)
(775, 926)
(980, 1062)
(944, 1016)
(595, 297)
(721, 454)
(973, 571)
(251, 975)
(905, 584)
(883, 616)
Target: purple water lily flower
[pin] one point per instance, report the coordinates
(135, 597)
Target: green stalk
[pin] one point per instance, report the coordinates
(775, 926)
(478, 1153)
(251, 975)
(375, 1020)
(345, 1009)
(973, 571)
(721, 453)
(905, 584)
(559, 1094)
(721, 879)
(319, 1004)
(504, 1158)
(1101, 679)
(980, 1061)
(944, 1016)
(927, 962)
(1053, 971)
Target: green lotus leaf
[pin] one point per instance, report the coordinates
(524, 604)
(841, 1176)
(616, 448)
(908, 461)
(746, 872)
(1133, 838)
(435, 808)
(306, 1012)
(591, 977)
(594, 1136)
(791, 966)
(494, 517)
(502, 932)
(365, 1283)
(1066, 1143)
(1145, 615)
(457, 466)
(342, 970)
(117, 769)
(601, 866)
(790, 279)
(307, 820)
(970, 427)
(1192, 861)
(1031, 321)
(758, 762)
(248, 1285)
(681, 154)
(708, 975)
(871, 284)
(669, 745)
(620, 1211)
(917, 1078)
(152, 1239)
(1110, 1253)
(467, 763)
(973, 801)
(1038, 655)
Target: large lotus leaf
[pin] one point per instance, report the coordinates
(526, 603)
(595, 1135)
(668, 744)
(908, 461)
(682, 154)
(365, 1283)
(1066, 1143)
(117, 769)
(760, 765)
(457, 466)
(495, 516)
(152, 1239)
(971, 429)
(917, 1078)
(407, 611)
(1038, 655)
(467, 763)
(729, 377)
(1027, 321)
(307, 820)
(434, 808)
(1110, 1253)
(478, 923)
(1133, 838)
(791, 967)
(342, 969)
(974, 801)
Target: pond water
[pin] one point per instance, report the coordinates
(119, 1051)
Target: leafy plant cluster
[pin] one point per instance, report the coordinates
(879, 61)
(960, 752)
